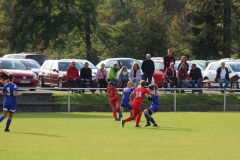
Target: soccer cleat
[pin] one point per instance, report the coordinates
(148, 124)
(118, 119)
(6, 130)
(122, 124)
(137, 126)
(155, 125)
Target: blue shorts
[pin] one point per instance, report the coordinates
(152, 109)
(126, 105)
(9, 107)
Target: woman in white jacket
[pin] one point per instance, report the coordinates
(135, 73)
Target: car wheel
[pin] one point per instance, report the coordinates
(40, 82)
(208, 84)
(60, 84)
(32, 89)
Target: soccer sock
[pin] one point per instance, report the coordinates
(129, 119)
(120, 114)
(138, 120)
(8, 123)
(115, 114)
(152, 120)
(146, 116)
(2, 118)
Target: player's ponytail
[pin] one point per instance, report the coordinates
(153, 87)
(3, 76)
(11, 77)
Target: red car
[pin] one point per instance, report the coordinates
(23, 77)
(158, 75)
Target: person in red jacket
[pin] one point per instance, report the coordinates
(73, 76)
(183, 77)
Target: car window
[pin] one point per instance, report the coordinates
(111, 63)
(235, 67)
(17, 56)
(158, 65)
(48, 65)
(107, 65)
(176, 65)
(54, 66)
(12, 65)
(31, 64)
(215, 66)
(127, 63)
(39, 58)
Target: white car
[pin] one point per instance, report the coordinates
(211, 70)
(128, 62)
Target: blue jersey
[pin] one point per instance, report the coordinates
(127, 91)
(8, 89)
(155, 100)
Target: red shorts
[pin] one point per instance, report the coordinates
(114, 102)
(136, 108)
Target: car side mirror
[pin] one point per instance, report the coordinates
(161, 70)
(54, 70)
(29, 68)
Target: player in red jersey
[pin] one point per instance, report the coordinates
(138, 95)
(114, 100)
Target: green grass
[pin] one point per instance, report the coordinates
(182, 99)
(96, 136)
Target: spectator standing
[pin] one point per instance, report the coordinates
(148, 69)
(182, 77)
(184, 61)
(171, 75)
(135, 73)
(168, 59)
(101, 77)
(222, 77)
(123, 77)
(73, 76)
(86, 77)
(196, 77)
(112, 75)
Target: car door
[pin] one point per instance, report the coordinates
(212, 72)
(46, 73)
(54, 73)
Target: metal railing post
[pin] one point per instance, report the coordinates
(224, 101)
(175, 100)
(69, 93)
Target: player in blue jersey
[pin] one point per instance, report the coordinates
(154, 106)
(10, 102)
(126, 94)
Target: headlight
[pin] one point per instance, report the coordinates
(35, 76)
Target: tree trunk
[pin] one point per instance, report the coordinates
(88, 38)
(226, 28)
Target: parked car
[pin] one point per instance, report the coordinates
(158, 75)
(157, 58)
(54, 73)
(23, 77)
(128, 62)
(39, 57)
(31, 64)
(203, 62)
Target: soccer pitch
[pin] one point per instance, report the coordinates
(96, 136)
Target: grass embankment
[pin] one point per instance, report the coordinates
(167, 99)
(96, 136)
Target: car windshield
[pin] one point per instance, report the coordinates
(6, 64)
(90, 65)
(63, 66)
(128, 63)
(39, 58)
(235, 67)
(158, 65)
(31, 64)
(197, 65)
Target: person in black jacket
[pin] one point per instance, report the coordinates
(148, 69)
(222, 77)
(196, 77)
(168, 59)
(184, 61)
(86, 77)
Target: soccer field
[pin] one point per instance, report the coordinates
(180, 135)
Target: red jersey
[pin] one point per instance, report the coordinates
(112, 92)
(139, 94)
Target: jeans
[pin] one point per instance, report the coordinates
(199, 84)
(102, 83)
(83, 84)
(114, 80)
(147, 76)
(136, 81)
(221, 83)
(184, 83)
(74, 83)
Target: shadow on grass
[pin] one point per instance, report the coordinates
(169, 128)
(37, 134)
(62, 115)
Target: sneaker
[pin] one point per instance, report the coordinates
(6, 130)
(117, 119)
(155, 125)
(137, 126)
(123, 123)
(148, 124)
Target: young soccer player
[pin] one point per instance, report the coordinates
(114, 100)
(138, 95)
(154, 106)
(10, 102)
(126, 94)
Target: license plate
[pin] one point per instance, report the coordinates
(23, 81)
